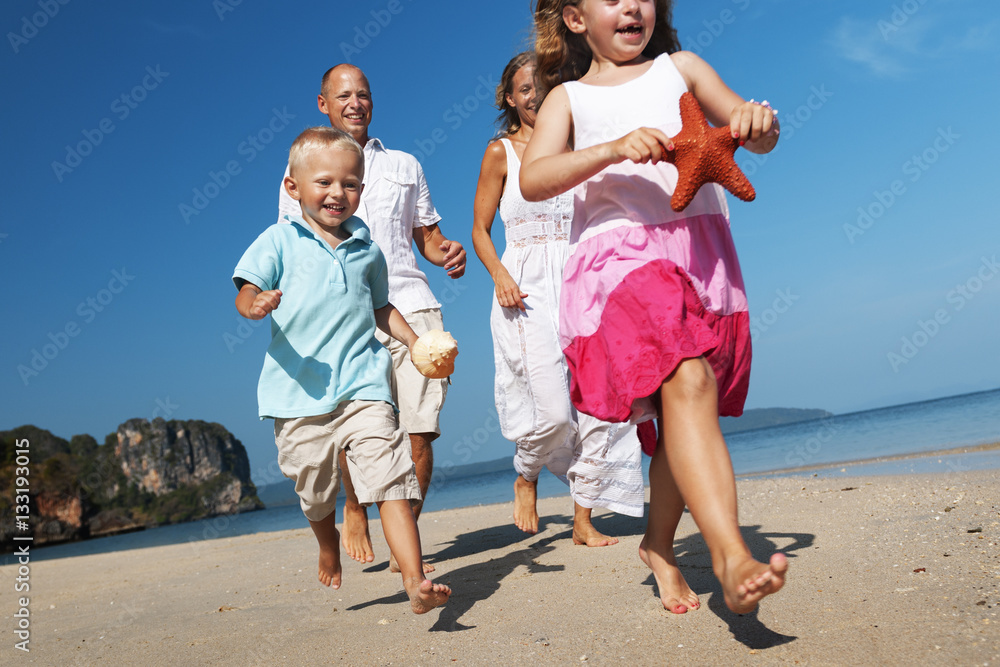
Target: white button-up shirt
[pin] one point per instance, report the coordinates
(394, 202)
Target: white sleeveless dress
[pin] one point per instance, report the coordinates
(600, 461)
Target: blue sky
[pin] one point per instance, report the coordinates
(146, 143)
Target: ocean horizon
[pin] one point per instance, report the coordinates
(890, 440)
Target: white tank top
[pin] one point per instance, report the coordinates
(531, 223)
(628, 193)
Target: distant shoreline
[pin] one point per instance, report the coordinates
(781, 472)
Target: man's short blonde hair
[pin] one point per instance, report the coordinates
(322, 138)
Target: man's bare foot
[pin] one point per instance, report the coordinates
(425, 594)
(675, 594)
(525, 512)
(746, 581)
(355, 538)
(394, 566)
(329, 563)
(584, 531)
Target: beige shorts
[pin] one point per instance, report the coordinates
(378, 456)
(418, 398)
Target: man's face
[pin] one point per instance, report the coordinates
(347, 102)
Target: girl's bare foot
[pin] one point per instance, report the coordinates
(745, 581)
(329, 564)
(394, 566)
(355, 537)
(675, 594)
(425, 594)
(525, 512)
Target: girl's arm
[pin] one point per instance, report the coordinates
(754, 123)
(391, 321)
(550, 168)
(492, 175)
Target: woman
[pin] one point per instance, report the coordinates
(599, 461)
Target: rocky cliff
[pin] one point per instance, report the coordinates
(146, 474)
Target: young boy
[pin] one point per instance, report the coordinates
(325, 379)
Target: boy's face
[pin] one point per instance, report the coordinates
(327, 185)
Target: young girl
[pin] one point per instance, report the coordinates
(600, 461)
(654, 313)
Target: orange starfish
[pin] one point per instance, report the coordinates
(704, 154)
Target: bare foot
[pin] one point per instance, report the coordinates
(394, 566)
(355, 538)
(329, 563)
(425, 595)
(745, 581)
(525, 512)
(675, 594)
(585, 533)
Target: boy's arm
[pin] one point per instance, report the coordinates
(391, 321)
(254, 303)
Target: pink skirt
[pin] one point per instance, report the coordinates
(638, 300)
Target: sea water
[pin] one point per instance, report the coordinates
(801, 448)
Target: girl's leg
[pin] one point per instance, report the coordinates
(666, 506)
(400, 528)
(700, 465)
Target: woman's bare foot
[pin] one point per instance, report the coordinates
(525, 512)
(675, 594)
(746, 581)
(329, 565)
(394, 566)
(584, 531)
(355, 537)
(425, 594)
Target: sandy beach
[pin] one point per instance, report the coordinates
(884, 570)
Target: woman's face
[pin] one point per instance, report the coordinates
(522, 94)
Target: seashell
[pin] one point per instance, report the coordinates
(434, 354)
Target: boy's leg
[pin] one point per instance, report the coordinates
(329, 550)
(400, 528)
(356, 539)
(700, 465)
(666, 506)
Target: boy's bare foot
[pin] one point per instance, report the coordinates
(425, 594)
(675, 594)
(329, 562)
(584, 531)
(394, 566)
(525, 511)
(355, 537)
(746, 581)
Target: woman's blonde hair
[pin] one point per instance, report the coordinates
(564, 56)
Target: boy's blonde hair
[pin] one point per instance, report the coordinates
(564, 56)
(322, 138)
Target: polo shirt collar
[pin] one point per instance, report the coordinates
(354, 225)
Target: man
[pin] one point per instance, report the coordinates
(396, 205)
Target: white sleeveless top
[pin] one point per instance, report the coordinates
(629, 193)
(531, 223)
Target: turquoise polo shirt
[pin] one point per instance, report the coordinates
(323, 349)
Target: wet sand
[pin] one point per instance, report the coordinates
(884, 570)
